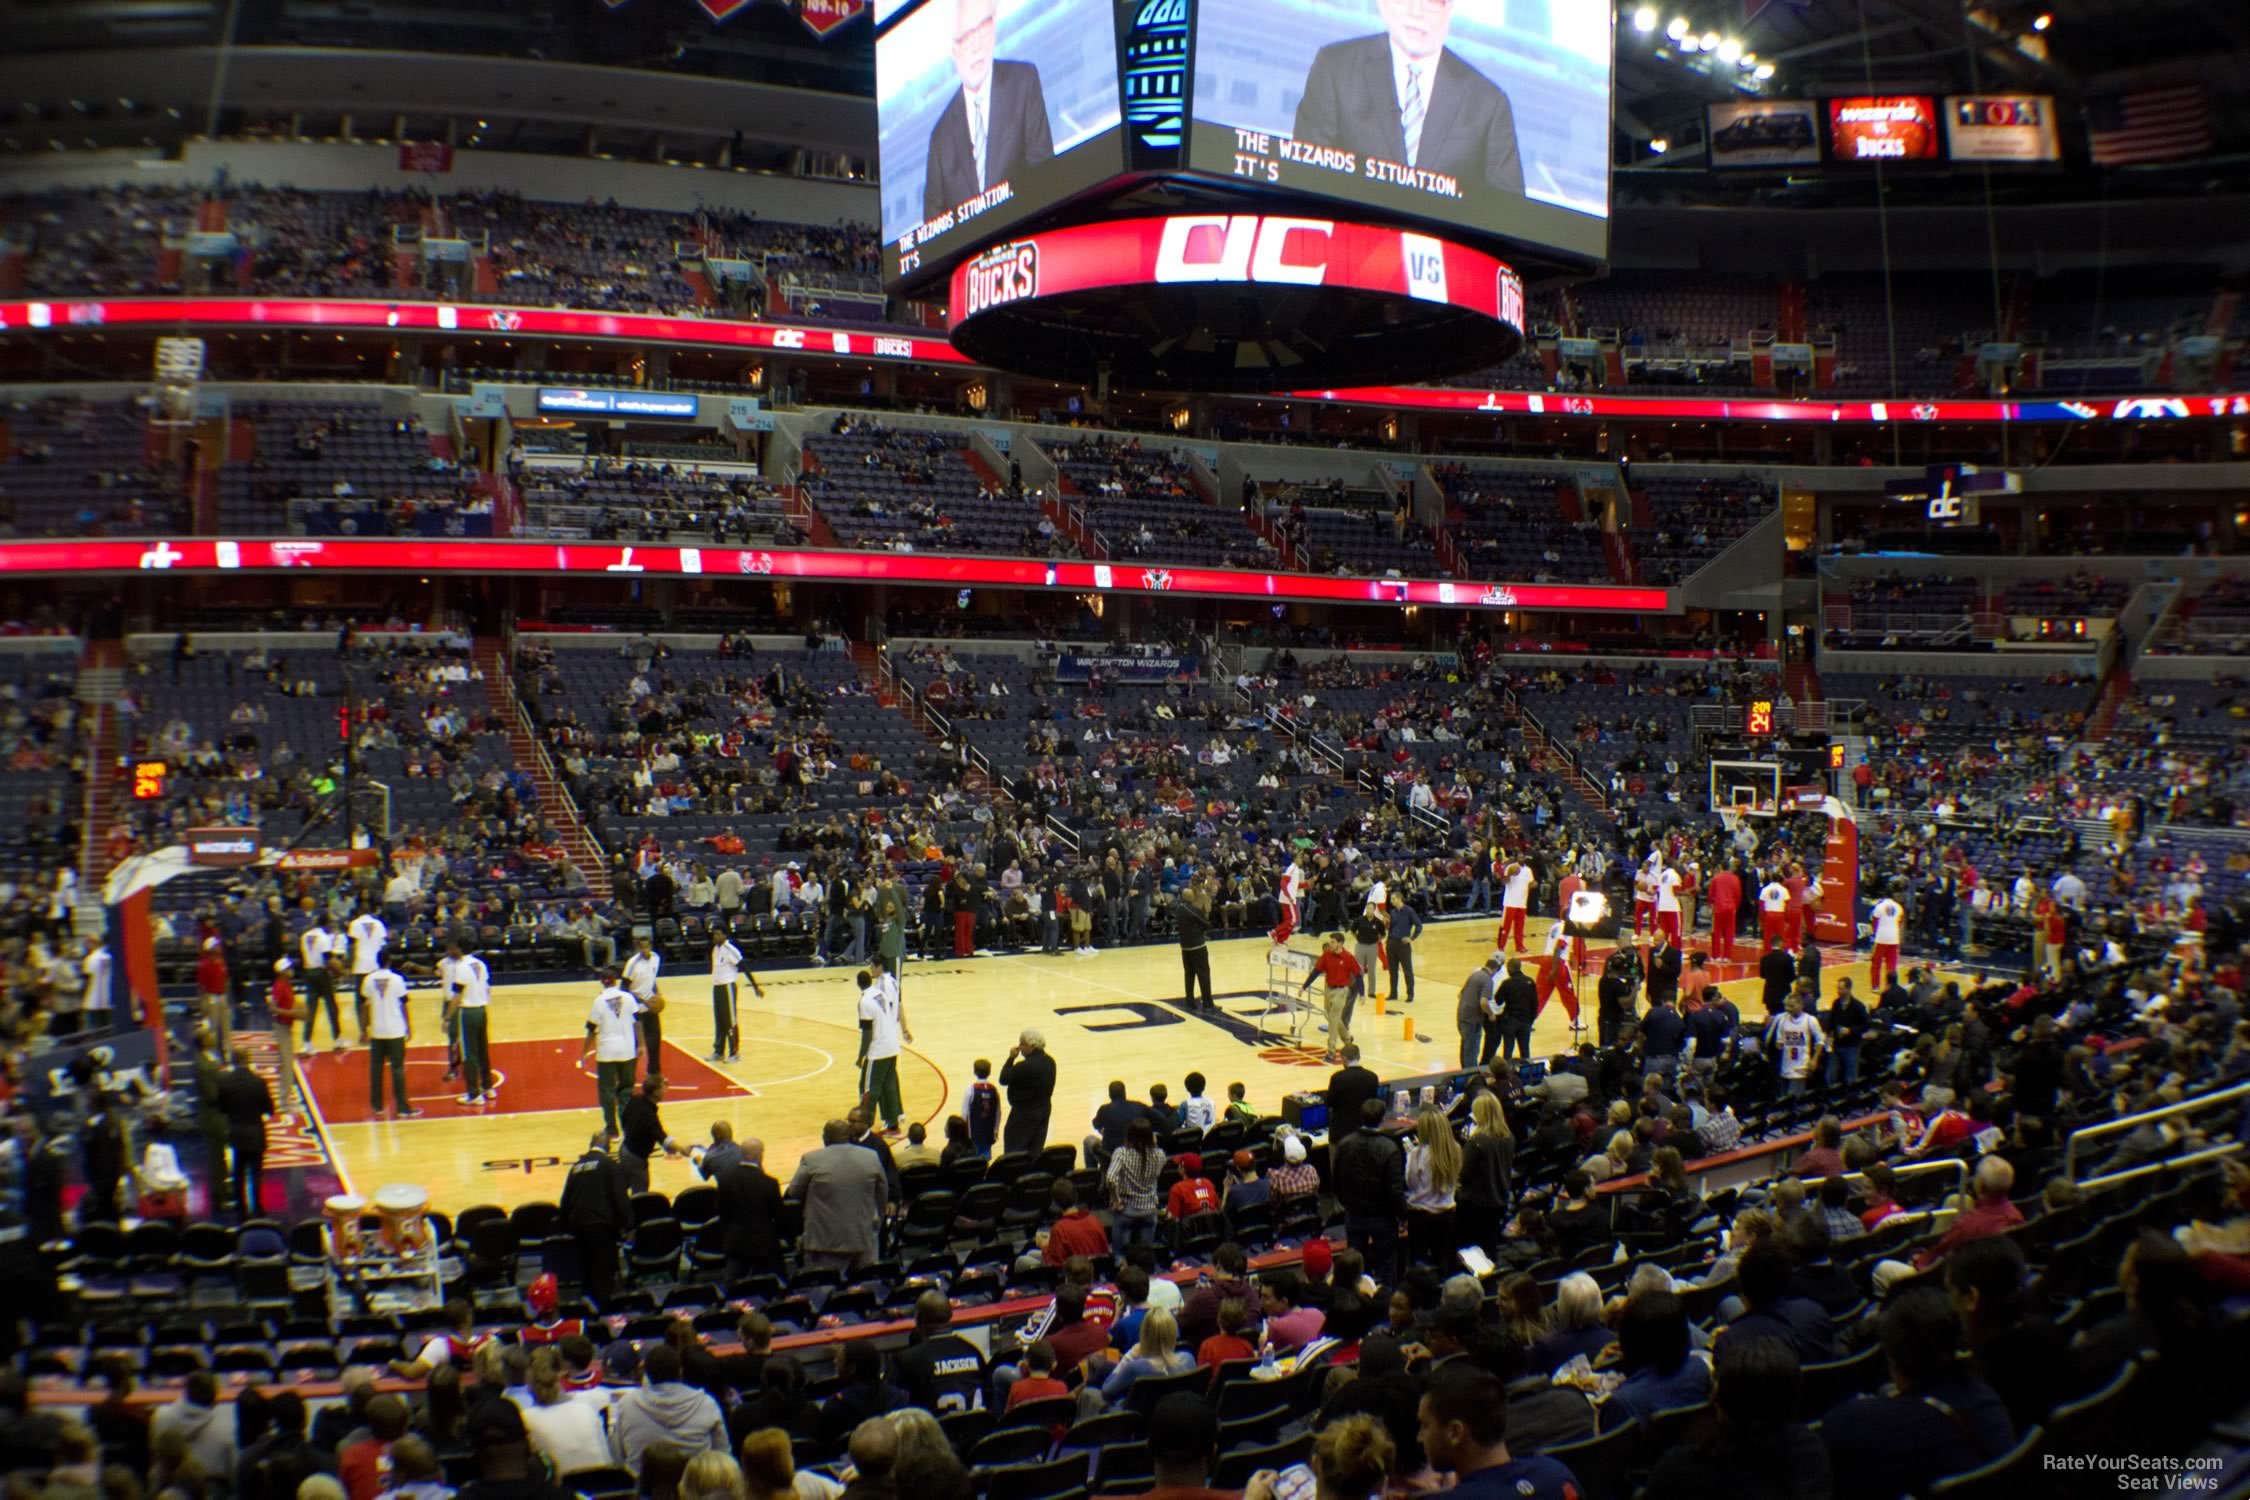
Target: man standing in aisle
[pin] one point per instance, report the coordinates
(726, 970)
(640, 977)
(595, 1212)
(613, 1035)
(94, 969)
(881, 1009)
(1795, 1040)
(472, 999)
(389, 1029)
(246, 1102)
(1028, 1074)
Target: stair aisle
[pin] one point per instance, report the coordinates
(555, 805)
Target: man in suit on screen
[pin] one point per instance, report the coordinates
(1403, 97)
(994, 126)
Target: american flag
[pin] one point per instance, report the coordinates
(2151, 124)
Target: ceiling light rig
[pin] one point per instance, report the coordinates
(1713, 53)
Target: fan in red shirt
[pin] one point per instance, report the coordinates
(1076, 1232)
(545, 1327)
(1193, 1194)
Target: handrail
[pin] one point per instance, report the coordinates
(2125, 1123)
(2169, 1164)
(1063, 831)
(546, 760)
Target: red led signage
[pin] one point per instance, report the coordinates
(409, 555)
(1213, 247)
(433, 317)
(1271, 249)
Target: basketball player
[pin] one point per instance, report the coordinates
(1555, 973)
(883, 1021)
(1773, 914)
(1644, 898)
(1666, 883)
(1292, 893)
(640, 977)
(1515, 902)
(1888, 916)
(726, 967)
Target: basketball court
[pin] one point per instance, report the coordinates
(1116, 1015)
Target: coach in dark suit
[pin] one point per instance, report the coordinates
(994, 126)
(750, 1214)
(1404, 97)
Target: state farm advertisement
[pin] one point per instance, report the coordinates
(1273, 249)
(1891, 127)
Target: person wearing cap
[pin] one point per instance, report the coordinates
(1193, 1194)
(1336, 969)
(1295, 1179)
(1475, 1014)
(1245, 1189)
(595, 1211)
(545, 1323)
(286, 1012)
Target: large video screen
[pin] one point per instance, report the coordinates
(1897, 127)
(1764, 133)
(2001, 127)
(1479, 113)
(989, 111)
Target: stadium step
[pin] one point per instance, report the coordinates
(556, 808)
(101, 678)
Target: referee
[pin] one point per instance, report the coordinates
(1192, 917)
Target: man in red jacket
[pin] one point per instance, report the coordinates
(1726, 900)
(215, 985)
(1335, 969)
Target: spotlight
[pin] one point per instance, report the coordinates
(1644, 19)
(1659, 145)
(1690, 43)
(1764, 72)
(2042, 22)
(1678, 29)
(1729, 50)
(1710, 41)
